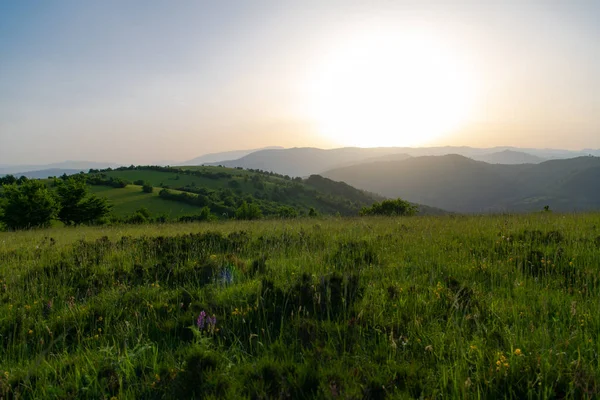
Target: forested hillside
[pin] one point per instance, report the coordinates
(460, 184)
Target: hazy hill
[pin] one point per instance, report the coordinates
(460, 184)
(306, 161)
(224, 156)
(79, 166)
(45, 173)
(509, 157)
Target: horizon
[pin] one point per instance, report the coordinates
(563, 154)
(138, 83)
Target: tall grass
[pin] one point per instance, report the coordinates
(433, 307)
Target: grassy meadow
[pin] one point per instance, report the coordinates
(125, 201)
(348, 308)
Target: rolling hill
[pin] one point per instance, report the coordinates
(224, 156)
(79, 166)
(509, 157)
(460, 184)
(223, 190)
(306, 161)
(45, 173)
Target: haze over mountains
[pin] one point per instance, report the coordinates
(457, 183)
(306, 160)
(40, 171)
(473, 180)
(226, 155)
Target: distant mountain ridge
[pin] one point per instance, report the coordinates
(79, 166)
(459, 184)
(224, 156)
(46, 173)
(304, 161)
(509, 157)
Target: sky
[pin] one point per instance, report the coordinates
(149, 81)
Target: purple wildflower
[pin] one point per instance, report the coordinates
(206, 322)
(201, 320)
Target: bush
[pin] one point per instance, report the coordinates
(147, 188)
(391, 208)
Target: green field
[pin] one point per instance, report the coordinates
(157, 178)
(126, 201)
(419, 307)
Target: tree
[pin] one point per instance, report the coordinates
(312, 212)
(147, 188)
(77, 207)
(248, 211)
(94, 209)
(28, 205)
(8, 180)
(395, 207)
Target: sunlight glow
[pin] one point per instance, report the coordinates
(390, 88)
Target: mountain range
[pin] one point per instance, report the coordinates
(460, 184)
(54, 169)
(304, 161)
(222, 156)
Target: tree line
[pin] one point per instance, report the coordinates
(33, 204)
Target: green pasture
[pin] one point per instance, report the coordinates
(414, 307)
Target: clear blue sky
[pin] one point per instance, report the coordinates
(144, 81)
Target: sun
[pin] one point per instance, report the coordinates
(390, 88)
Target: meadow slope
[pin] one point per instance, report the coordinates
(430, 307)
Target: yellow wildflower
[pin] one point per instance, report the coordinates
(518, 352)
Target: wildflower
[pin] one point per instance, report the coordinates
(30, 332)
(502, 362)
(201, 320)
(518, 352)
